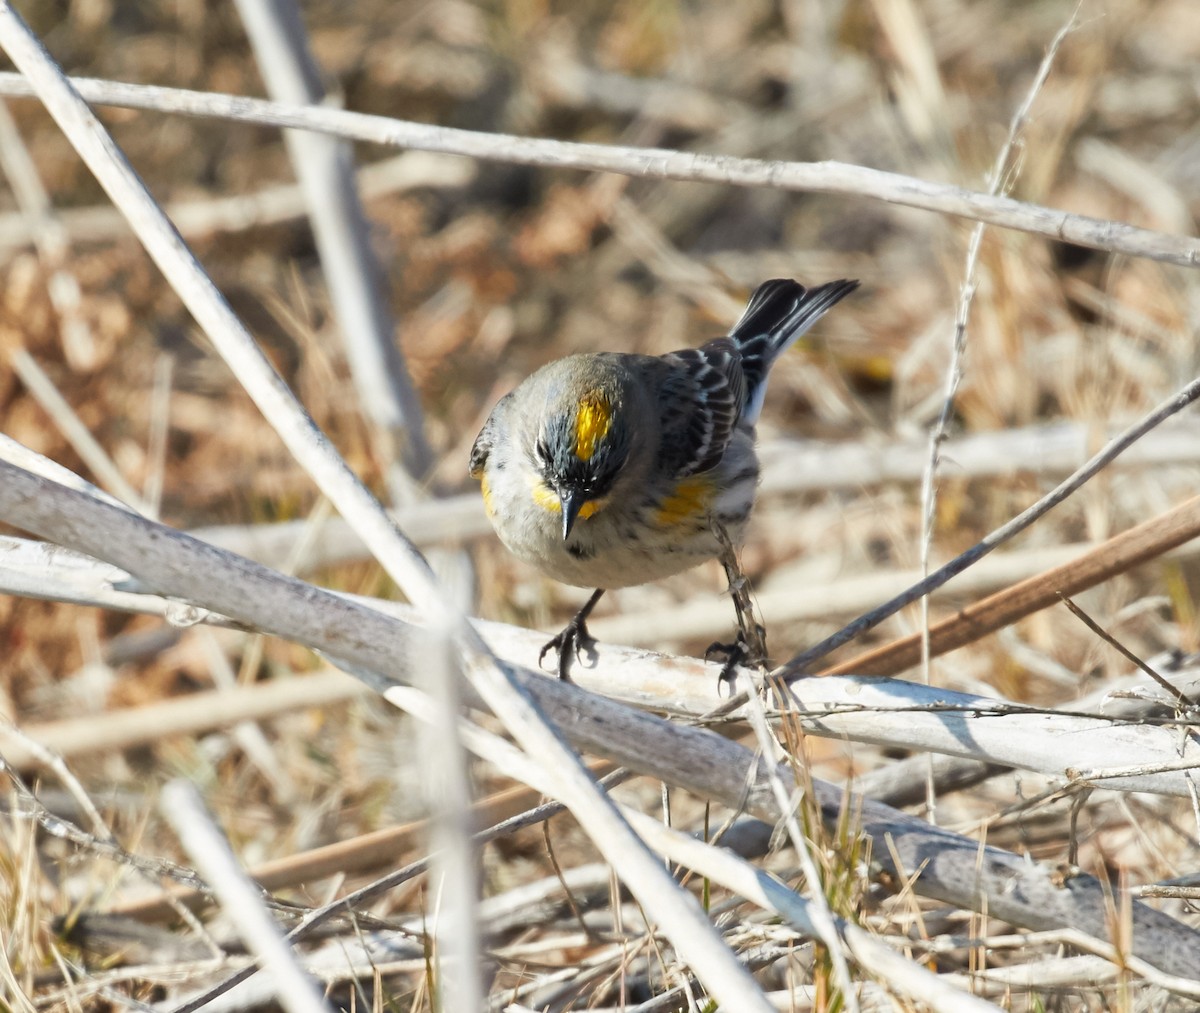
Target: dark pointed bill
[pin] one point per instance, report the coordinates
(572, 501)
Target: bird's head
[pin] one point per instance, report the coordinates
(582, 444)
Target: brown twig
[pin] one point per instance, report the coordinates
(1122, 552)
(355, 855)
(1173, 691)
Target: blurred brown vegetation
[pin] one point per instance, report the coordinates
(491, 278)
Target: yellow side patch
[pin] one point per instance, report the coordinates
(487, 496)
(687, 502)
(592, 422)
(547, 499)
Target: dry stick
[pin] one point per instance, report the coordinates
(789, 465)
(1061, 446)
(191, 715)
(730, 871)
(20, 455)
(1172, 691)
(325, 169)
(212, 854)
(65, 830)
(954, 372)
(53, 247)
(42, 389)
(1120, 553)
(100, 833)
(269, 205)
(753, 637)
(356, 899)
(860, 708)
(741, 876)
(654, 163)
(356, 855)
(801, 663)
(695, 759)
(695, 938)
(446, 789)
(937, 436)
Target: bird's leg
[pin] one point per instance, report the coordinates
(574, 641)
(750, 647)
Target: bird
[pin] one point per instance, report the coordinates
(606, 470)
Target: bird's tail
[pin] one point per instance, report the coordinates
(779, 312)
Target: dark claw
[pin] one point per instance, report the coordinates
(573, 642)
(730, 656)
(735, 654)
(720, 651)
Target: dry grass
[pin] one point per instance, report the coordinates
(494, 269)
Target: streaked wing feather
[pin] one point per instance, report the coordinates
(479, 453)
(702, 400)
(484, 442)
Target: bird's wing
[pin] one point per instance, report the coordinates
(701, 399)
(485, 440)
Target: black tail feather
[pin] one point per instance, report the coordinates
(778, 313)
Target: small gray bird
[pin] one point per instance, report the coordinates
(606, 470)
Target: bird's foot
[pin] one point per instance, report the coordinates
(732, 656)
(573, 642)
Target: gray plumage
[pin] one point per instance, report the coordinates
(606, 470)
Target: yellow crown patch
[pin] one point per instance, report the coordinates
(592, 422)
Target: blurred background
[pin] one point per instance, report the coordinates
(492, 270)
